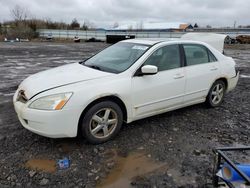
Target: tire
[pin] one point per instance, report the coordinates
(216, 94)
(102, 122)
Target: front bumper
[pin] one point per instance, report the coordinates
(53, 124)
(232, 82)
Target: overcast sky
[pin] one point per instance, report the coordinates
(104, 13)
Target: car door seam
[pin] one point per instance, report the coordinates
(158, 101)
(170, 98)
(194, 92)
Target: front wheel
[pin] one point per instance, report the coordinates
(102, 122)
(216, 94)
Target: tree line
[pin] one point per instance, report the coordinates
(23, 25)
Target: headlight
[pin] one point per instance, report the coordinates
(51, 102)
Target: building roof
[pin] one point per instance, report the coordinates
(153, 26)
(184, 26)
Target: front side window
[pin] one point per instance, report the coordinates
(195, 54)
(117, 58)
(165, 58)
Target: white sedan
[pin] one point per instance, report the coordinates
(130, 80)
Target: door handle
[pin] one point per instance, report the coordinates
(178, 76)
(214, 68)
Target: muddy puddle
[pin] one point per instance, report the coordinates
(44, 165)
(127, 168)
(50, 166)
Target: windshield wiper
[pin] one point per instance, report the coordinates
(95, 67)
(91, 66)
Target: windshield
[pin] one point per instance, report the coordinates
(117, 58)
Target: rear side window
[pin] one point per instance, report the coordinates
(196, 54)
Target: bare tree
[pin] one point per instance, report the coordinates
(208, 26)
(88, 25)
(85, 25)
(19, 13)
(140, 25)
(115, 25)
(75, 24)
(196, 25)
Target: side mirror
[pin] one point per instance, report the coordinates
(149, 70)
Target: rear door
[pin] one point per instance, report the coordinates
(202, 69)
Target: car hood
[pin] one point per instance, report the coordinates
(60, 76)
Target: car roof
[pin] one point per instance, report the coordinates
(213, 39)
(151, 41)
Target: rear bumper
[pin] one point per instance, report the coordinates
(232, 82)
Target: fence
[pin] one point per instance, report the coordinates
(101, 34)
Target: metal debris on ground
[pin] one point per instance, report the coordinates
(232, 174)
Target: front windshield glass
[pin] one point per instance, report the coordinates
(117, 58)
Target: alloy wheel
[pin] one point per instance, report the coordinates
(103, 123)
(217, 93)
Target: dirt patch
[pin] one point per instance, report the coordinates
(44, 165)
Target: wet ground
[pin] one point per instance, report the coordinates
(169, 150)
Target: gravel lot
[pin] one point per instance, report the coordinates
(169, 150)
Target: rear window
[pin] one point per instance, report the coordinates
(198, 54)
(212, 58)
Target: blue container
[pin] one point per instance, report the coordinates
(229, 174)
(63, 163)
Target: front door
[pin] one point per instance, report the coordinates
(153, 94)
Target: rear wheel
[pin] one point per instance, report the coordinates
(216, 94)
(102, 122)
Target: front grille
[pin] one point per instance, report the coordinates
(21, 97)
